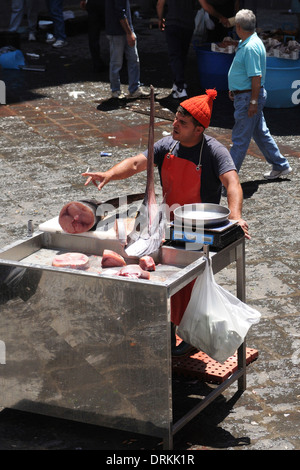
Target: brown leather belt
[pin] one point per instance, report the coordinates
(237, 92)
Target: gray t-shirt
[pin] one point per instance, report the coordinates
(216, 160)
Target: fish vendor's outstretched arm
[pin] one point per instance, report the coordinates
(122, 170)
(231, 182)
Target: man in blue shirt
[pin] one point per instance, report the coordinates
(246, 80)
(122, 40)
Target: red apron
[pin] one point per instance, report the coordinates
(181, 183)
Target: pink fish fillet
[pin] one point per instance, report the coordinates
(133, 271)
(112, 259)
(71, 260)
(147, 263)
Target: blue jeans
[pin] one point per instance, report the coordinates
(256, 127)
(55, 8)
(118, 47)
(18, 8)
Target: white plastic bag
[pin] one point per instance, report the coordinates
(215, 321)
(203, 22)
(208, 22)
(200, 27)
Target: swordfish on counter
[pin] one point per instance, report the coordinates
(82, 216)
(148, 232)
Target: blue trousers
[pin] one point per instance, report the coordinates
(55, 8)
(245, 128)
(118, 47)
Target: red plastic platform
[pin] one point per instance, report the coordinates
(203, 367)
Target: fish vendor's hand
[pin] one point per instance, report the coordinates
(245, 227)
(225, 22)
(100, 177)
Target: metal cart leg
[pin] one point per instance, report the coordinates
(241, 294)
(168, 440)
(240, 272)
(241, 360)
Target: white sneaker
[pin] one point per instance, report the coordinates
(50, 38)
(59, 43)
(118, 94)
(273, 174)
(31, 37)
(139, 93)
(174, 87)
(179, 94)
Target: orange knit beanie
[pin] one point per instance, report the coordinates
(200, 107)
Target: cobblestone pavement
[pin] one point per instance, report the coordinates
(54, 126)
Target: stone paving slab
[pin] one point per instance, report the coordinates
(48, 137)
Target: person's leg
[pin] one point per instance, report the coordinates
(116, 49)
(185, 46)
(133, 67)
(56, 12)
(265, 141)
(32, 15)
(95, 25)
(242, 130)
(173, 38)
(17, 11)
(93, 37)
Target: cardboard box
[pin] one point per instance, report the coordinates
(226, 50)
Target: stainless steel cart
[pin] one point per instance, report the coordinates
(92, 347)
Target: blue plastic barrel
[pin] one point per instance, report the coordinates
(280, 84)
(12, 59)
(213, 67)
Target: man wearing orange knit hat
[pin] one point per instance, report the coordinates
(192, 168)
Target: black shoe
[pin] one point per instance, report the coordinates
(183, 349)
